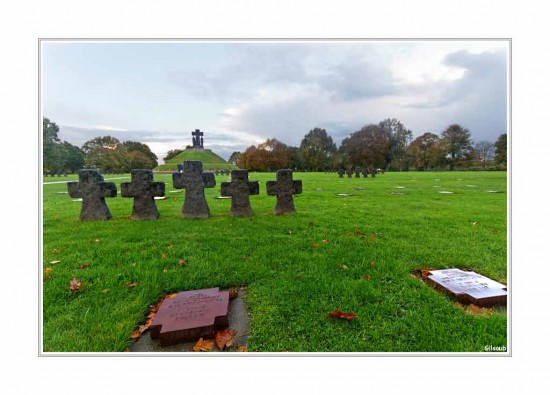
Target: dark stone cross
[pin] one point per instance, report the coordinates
(349, 173)
(143, 190)
(240, 189)
(93, 191)
(284, 188)
(357, 173)
(197, 138)
(365, 173)
(341, 173)
(193, 180)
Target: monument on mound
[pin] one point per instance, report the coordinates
(196, 151)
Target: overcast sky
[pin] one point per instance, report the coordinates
(242, 93)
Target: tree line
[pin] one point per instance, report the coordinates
(106, 153)
(387, 145)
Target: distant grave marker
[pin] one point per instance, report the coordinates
(492, 191)
(349, 173)
(399, 187)
(240, 189)
(446, 192)
(344, 194)
(190, 315)
(341, 173)
(469, 287)
(470, 186)
(144, 191)
(93, 191)
(284, 188)
(193, 180)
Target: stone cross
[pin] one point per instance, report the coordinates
(197, 138)
(143, 190)
(357, 173)
(193, 180)
(365, 173)
(284, 188)
(93, 191)
(240, 189)
(341, 173)
(349, 173)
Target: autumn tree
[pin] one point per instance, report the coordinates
(316, 150)
(140, 155)
(427, 151)
(399, 138)
(367, 147)
(106, 153)
(457, 142)
(269, 156)
(501, 147)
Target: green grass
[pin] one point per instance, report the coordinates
(292, 285)
(210, 160)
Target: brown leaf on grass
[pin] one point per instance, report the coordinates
(169, 245)
(131, 284)
(242, 349)
(135, 334)
(53, 262)
(372, 237)
(233, 293)
(203, 345)
(315, 245)
(340, 314)
(164, 270)
(476, 311)
(162, 255)
(225, 338)
(118, 264)
(367, 277)
(75, 284)
(56, 251)
(372, 264)
(182, 262)
(47, 273)
(425, 272)
(326, 241)
(54, 217)
(85, 266)
(358, 233)
(342, 266)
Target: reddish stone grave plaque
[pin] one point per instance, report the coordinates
(469, 287)
(191, 315)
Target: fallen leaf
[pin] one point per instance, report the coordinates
(372, 236)
(131, 284)
(342, 266)
(300, 276)
(75, 284)
(165, 270)
(169, 245)
(478, 311)
(289, 232)
(367, 277)
(340, 314)
(97, 241)
(203, 345)
(474, 223)
(163, 255)
(225, 338)
(425, 272)
(118, 264)
(135, 334)
(85, 265)
(371, 263)
(326, 241)
(242, 349)
(233, 293)
(358, 233)
(54, 217)
(56, 251)
(315, 245)
(105, 290)
(182, 263)
(47, 273)
(53, 262)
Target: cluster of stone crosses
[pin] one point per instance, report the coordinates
(358, 172)
(93, 190)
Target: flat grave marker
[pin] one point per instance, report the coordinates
(469, 287)
(446, 192)
(344, 194)
(191, 315)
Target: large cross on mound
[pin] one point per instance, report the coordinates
(193, 180)
(284, 188)
(143, 190)
(197, 139)
(240, 189)
(93, 191)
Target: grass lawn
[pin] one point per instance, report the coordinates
(354, 253)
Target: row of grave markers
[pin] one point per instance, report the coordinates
(93, 190)
(358, 172)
